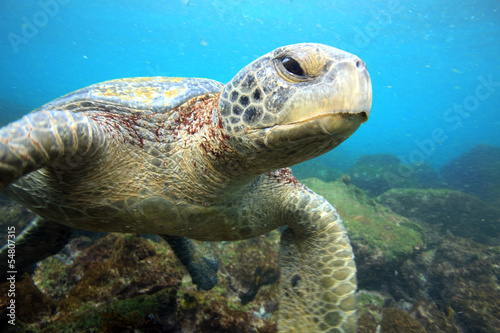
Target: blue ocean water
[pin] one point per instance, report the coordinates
(428, 60)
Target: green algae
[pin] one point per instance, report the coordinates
(136, 312)
(369, 223)
(462, 214)
(369, 298)
(370, 304)
(53, 278)
(378, 173)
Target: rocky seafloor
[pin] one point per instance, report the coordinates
(427, 253)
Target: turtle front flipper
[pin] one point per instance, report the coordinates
(44, 138)
(318, 274)
(39, 240)
(198, 258)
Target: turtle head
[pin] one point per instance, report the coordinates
(296, 102)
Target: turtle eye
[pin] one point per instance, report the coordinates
(292, 66)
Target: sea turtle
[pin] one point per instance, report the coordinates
(197, 159)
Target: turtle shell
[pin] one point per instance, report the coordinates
(147, 94)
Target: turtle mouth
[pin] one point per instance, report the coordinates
(332, 125)
(334, 121)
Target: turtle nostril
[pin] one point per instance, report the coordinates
(360, 64)
(364, 116)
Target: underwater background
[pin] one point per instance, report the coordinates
(417, 185)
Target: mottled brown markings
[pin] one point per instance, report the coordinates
(112, 120)
(157, 132)
(195, 116)
(284, 175)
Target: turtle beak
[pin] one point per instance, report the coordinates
(338, 126)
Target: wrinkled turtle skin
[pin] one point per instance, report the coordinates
(192, 158)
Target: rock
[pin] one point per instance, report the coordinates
(27, 297)
(416, 273)
(380, 172)
(124, 283)
(396, 320)
(456, 286)
(13, 215)
(476, 173)
(465, 276)
(427, 177)
(314, 168)
(119, 266)
(250, 265)
(370, 173)
(432, 318)
(370, 305)
(379, 312)
(464, 215)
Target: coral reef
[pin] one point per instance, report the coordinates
(463, 214)
(476, 172)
